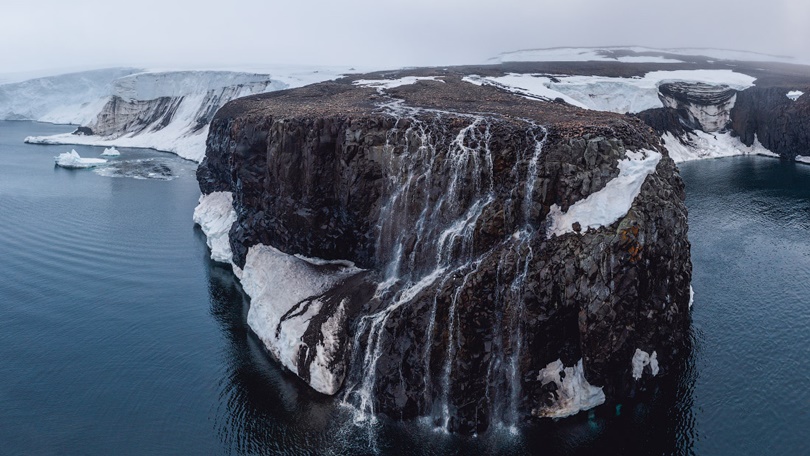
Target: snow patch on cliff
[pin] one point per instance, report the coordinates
(285, 295)
(642, 359)
(691, 296)
(701, 145)
(215, 215)
(574, 393)
(795, 94)
(528, 85)
(72, 160)
(382, 84)
(610, 204)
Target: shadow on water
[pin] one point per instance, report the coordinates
(264, 409)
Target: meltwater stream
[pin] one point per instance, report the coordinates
(119, 336)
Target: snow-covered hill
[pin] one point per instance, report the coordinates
(635, 54)
(74, 98)
(161, 109)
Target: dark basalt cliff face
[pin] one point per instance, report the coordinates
(668, 120)
(441, 191)
(782, 125)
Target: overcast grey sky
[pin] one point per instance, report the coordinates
(42, 34)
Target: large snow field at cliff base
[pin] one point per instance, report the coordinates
(699, 145)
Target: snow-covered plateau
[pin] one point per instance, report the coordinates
(167, 110)
(634, 54)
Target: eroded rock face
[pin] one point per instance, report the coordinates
(467, 298)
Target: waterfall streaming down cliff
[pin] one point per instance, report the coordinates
(440, 182)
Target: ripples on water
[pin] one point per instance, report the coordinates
(119, 336)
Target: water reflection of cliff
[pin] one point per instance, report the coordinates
(264, 410)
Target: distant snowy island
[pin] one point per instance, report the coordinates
(167, 110)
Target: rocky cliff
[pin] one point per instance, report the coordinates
(423, 246)
(780, 122)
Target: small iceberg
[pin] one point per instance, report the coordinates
(111, 152)
(72, 160)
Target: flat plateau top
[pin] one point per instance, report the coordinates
(449, 92)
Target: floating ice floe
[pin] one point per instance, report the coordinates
(74, 161)
(574, 393)
(795, 94)
(111, 152)
(802, 159)
(608, 205)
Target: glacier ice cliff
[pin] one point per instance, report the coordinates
(168, 110)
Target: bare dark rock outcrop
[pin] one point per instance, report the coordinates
(766, 113)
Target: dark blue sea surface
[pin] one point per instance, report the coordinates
(119, 336)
